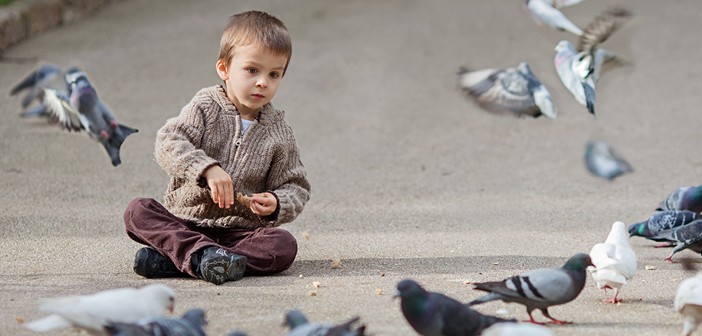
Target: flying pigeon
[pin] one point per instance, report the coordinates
(615, 260)
(541, 288)
(579, 68)
(517, 329)
(515, 90)
(435, 314)
(190, 324)
(35, 82)
(565, 3)
(545, 14)
(94, 312)
(688, 236)
(78, 109)
(685, 198)
(602, 161)
(300, 326)
(688, 303)
(660, 223)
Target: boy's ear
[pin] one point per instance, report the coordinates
(222, 70)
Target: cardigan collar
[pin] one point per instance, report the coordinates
(267, 116)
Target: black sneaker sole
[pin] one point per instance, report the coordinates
(224, 268)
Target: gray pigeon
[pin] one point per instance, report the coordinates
(541, 288)
(35, 82)
(236, 333)
(78, 109)
(190, 324)
(300, 326)
(688, 236)
(602, 161)
(435, 314)
(684, 198)
(657, 226)
(511, 90)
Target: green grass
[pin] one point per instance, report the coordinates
(5, 2)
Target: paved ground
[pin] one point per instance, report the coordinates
(409, 178)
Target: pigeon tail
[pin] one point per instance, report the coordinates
(114, 143)
(590, 98)
(48, 323)
(486, 298)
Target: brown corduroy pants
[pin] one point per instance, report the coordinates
(268, 250)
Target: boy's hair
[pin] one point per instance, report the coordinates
(255, 27)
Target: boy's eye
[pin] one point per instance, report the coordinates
(274, 75)
(251, 70)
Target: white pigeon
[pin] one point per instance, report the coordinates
(517, 329)
(564, 3)
(614, 261)
(93, 312)
(688, 302)
(544, 13)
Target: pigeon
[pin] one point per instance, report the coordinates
(300, 326)
(435, 314)
(541, 288)
(77, 109)
(236, 333)
(615, 260)
(602, 161)
(688, 303)
(190, 324)
(579, 68)
(688, 236)
(515, 90)
(657, 226)
(544, 13)
(94, 312)
(684, 198)
(565, 3)
(517, 329)
(35, 82)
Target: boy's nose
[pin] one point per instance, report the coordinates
(262, 82)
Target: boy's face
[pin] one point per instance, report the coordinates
(252, 77)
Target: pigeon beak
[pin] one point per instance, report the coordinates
(395, 295)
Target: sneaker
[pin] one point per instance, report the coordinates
(151, 264)
(219, 266)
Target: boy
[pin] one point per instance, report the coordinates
(228, 140)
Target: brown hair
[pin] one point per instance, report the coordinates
(255, 27)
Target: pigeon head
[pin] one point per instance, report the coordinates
(578, 262)
(161, 294)
(196, 316)
(409, 289)
(638, 229)
(295, 318)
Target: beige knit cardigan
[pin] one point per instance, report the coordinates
(208, 132)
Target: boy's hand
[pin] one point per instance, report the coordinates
(263, 204)
(221, 186)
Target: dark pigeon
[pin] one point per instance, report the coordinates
(77, 109)
(541, 288)
(300, 326)
(657, 226)
(192, 323)
(685, 198)
(435, 314)
(685, 237)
